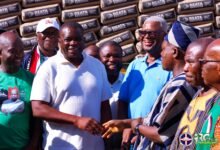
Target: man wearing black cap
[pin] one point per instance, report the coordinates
(156, 131)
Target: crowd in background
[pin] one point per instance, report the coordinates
(63, 95)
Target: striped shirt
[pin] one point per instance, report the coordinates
(167, 112)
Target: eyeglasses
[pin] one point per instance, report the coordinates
(204, 61)
(150, 33)
(49, 33)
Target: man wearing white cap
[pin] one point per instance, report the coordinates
(47, 37)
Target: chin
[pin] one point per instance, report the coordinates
(147, 49)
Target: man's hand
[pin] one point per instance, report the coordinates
(90, 125)
(113, 126)
(126, 136)
(134, 123)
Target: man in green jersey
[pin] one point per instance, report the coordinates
(15, 88)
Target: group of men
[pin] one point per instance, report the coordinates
(59, 92)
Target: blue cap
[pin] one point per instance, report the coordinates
(181, 35)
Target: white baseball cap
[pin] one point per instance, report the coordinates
(43, 24)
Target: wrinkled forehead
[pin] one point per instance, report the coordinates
(152, 25)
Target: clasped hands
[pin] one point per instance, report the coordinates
(115, 126)
(107, 129)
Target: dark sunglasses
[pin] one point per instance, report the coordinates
(49, 34)
(150, 33)
(204, 61)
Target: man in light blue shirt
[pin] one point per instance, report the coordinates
(142, 85)
(144, 77)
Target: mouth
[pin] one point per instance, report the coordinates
(148, 43)
(112, 67)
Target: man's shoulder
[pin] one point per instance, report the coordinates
(179, 82)
(25, 75)
(93, 61)
(137, 63)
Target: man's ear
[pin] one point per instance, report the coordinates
(175, 52)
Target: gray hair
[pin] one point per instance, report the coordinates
(161, 20)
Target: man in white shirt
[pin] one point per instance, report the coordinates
(70, 93)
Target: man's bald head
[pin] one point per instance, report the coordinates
(211, 65)
(192, 68)
(11, 52)
(9, 37)
(199, 46)
(92, 50)
(213, 50)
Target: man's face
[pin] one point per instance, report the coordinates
(48, 39)
(111, 57)
(210, 69)
(192, 67)
(12, 53)
(167, 56)
(71, 42)
(151, 36)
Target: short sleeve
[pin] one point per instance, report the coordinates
(41, 88)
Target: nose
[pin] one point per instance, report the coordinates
(73, 42)
(111, 58)
(186, 67)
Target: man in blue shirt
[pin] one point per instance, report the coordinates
(144, 77)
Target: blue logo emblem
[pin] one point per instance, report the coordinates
(186, 139)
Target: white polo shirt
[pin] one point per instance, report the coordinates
(78, 91)
(115, 87)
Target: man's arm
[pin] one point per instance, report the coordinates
(36, 133)
(106, 114)
(149, 132)
(44, 111)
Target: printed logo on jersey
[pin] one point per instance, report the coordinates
(11, 100)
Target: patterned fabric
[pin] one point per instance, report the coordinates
(210, 128)
(191, 119)
(167, 111)
(181, 35)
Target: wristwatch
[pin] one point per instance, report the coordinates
(136, 129)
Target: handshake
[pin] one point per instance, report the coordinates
(111, 127)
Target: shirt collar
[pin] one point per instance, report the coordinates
(63, 60)
(157, 61)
